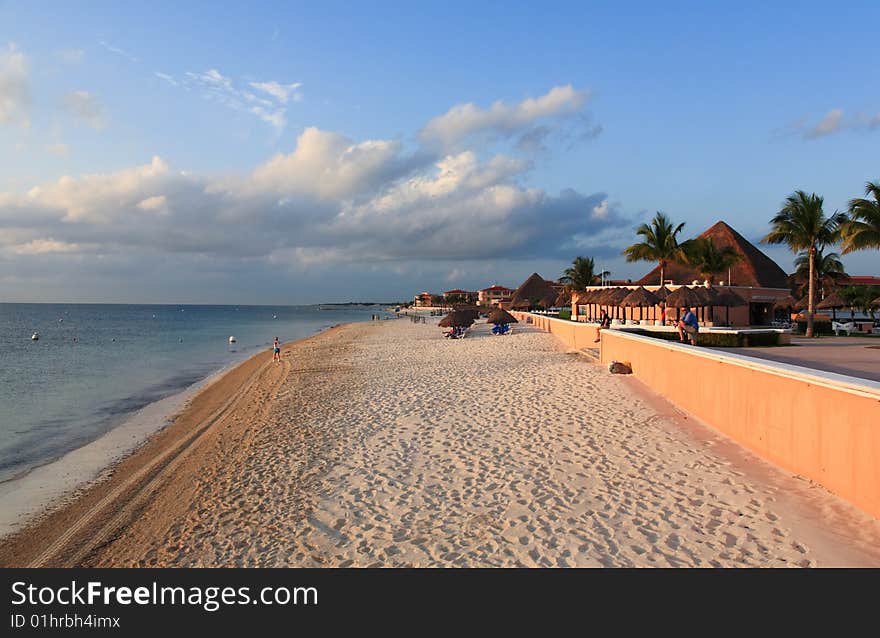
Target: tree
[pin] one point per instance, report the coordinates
(581, 273)
(828, 270)
(801, 225)
(706, 258)
(862, 230)
(659, 244)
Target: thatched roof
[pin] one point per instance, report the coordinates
(534, 289)
(614, 296)
(456, 318)
(876, 302)
(801, 304)
(833, 300)
(729, 298)
(785, 303)
(588, 296)
(709, 295)
(685, 297)
(498, 315)
(753, 269)
(662, 293)
(640, 297)
(563, 298)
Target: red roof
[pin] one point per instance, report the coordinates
(457, 292)
(860, 280)
(496, 288)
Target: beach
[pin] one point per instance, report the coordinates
(383, 444)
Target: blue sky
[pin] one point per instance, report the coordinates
(331, 152)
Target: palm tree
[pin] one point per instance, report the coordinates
(801, 224)
(706, 258)
(659, 243)
(828, 268)
(862, 230)
(581, 273)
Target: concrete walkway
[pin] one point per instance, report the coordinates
(853, 356)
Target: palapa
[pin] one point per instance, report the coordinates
(456, 319)
(501, 316)
(639, 297)
(534, 291)
(832, 301)
(785, 303)
(684, 297)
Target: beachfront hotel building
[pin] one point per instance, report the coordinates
(493, 296)
(423, 299)
(458, 295)
(755, 277)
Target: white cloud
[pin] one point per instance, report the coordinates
(465, 120)
(831, 123)
(281, 92)
(14, 90)
(156, 203)
(85, 107)
(167, 78)
(601, 211)
(45, 246)
(219, 88)
(114, 49)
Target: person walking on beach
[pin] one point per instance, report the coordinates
(689, 325)
(603, 324)
(276, 350)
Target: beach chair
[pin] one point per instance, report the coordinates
(839, 327)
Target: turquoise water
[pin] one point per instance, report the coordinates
(95, 364)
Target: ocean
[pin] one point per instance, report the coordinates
(95, 365)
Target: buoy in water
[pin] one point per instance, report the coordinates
(231, 339)
(35, 336)
(274, 316)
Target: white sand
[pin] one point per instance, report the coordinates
(498, 451)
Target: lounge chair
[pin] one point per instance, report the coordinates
(839, 327)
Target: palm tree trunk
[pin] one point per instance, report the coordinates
(810, 307)
(662, 272)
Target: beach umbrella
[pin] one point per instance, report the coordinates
(456, 319)
(473, 311)
(640, 297)
(833, 302)
(613, 297)
(785, 303)
(501, 316)
(801, 304)
(728, 298)
(662, 293)
(710, 299)
(685, 296)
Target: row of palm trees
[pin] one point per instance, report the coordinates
(801, 224)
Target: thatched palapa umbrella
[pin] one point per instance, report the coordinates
(832, 301)
(640, 297)
(684, 297)
(728, 298)
(662, 292)
(501, 316)
(875, 303)
(801, 304)
(613, 297)
(563, 298)
(456, 319)
(786, 303)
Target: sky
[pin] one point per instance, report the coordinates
(328, 152)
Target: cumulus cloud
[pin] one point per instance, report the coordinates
(14, 89)
(85, 107)
(466, 120)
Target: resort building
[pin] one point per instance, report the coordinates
(493, 296)
(756, 278)
(423, 300)
(460, 296)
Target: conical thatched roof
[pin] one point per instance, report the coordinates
(753, 269)
(534, 289)
(785, 303)
(662, 293)
(833, 300)
(499, 315)
(563, 298)
(611, 296)
(875, 303)
(709, 295)
(729, 298)
(588, 296)
(684, 297)
(456, 318)
(639, 297)
(473, 311)
(801, 304)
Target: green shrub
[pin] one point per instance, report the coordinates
(565, 313)
(718, 340)
(819, 327)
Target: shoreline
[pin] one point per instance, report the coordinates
(34, 494)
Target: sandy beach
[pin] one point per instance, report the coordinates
(382, 444)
